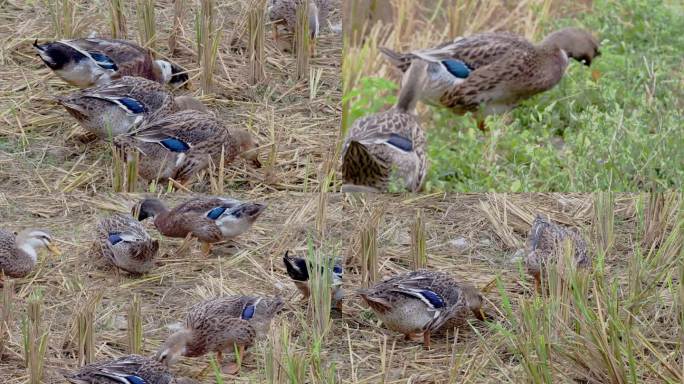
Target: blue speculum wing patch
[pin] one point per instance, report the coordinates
(175, 145)
(133, 105)
(248, 312)
(400, 142)
(114, 238)
(216, 213)
(433, 298)
(103, 61)
(457, 68)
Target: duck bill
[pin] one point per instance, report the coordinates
(53, 248)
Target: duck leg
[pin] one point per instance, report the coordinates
(206, 248)
(233, 368)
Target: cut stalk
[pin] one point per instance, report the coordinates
(135, 327)
(302, 40)
(256, 26)
(117, 19)
(418, 247)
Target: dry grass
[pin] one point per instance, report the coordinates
(460, 238)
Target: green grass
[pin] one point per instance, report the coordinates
(622, 132)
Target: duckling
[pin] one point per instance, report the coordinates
(496, 71)
(221, 325)
(115, 108)
(423, 301)
(180, 145)
(284, 12)
(388, 144)
(93, 61)
(131, 369)
(209, 219)
(18, 252)
(124, 243)
(298, 271)
(545, 246)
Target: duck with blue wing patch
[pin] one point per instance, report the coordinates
(220, 325)
(387, 144)
(180, 145)
(298, 271)
(116, 108)
(93, 61)
(422, 302)
(492, 72)
(209, 219)
(130, 369)
(125, 244)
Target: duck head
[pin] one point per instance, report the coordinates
(577, 43)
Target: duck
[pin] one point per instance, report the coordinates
(209, 219)
(94, 61)
(490, 73)
(545, 246)
(423, 301)
(19, 251)
(180, 145)
(389, 147)
(298, 271)
(219, 325)
(117, 107)
(124, 243)
(284, 12)
(129, 369)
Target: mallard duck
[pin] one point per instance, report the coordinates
(115, 108)
(180, 145)
(284, 12)
(423, 301)
(92, 61)
(124, 243)
(19, 252)
(545, 245)
(298, 271)
(388, 144)
(497, 70)
(220, 325)
(209, 219)
(131, 369)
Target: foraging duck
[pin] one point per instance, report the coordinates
(131, 369)
(389, 144)
(19, 252)
(92, 61)
(496, 71)
(298, 271)
(221, 325)
(115, 108)
(209, 219)
(124, 243)
(284, 12)
(546, 244)
(181, 144)
(423, 301)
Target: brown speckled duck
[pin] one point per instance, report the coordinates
(19, 252)
(124, 243)
(131, 369)
(389, 144)
(115, 108)
(180, 145)
(421, 302)
(284, 12)
(545, 246)
(496, 71)
(209, 219)
(93, 61)
(221, 325)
